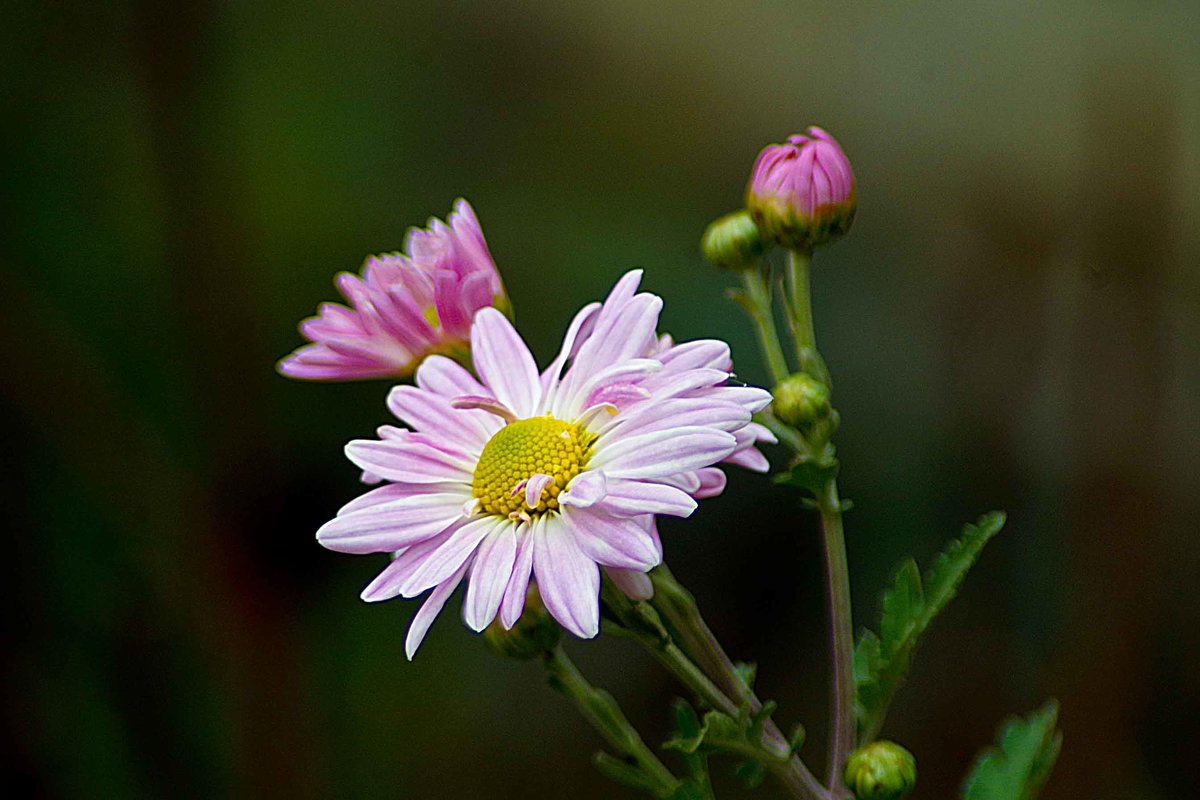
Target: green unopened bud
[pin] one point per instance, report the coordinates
(800, 399)
(733, 242)
(535, 633)
(881, 771)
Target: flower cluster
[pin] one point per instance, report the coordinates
(535, 488)
(510, 473)
(506, 475)
(404, 307)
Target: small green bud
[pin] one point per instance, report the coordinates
(733, 242)
(881, 771)
(800, 399)
(535, 633)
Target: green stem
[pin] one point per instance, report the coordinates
(800, 299)
(640, 621)
(758, 291)
(678, 607)
(800, 317)
(785, 433)
(837, 576)
(602, 711)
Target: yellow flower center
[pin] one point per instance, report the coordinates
(522, 449)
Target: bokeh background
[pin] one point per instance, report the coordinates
(1013, 323)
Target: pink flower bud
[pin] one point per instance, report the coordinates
(802, 193)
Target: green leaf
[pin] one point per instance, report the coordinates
(946, 575)
(903, 604)
(1018, 766)
(810, 474)
(687, 724)
(756, 721)
(796, 740)
(718, 731)
(747, 672)
(751, 772)
(909, 606)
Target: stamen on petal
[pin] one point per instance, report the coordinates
(535, 486)
(593, 412)
(540, 455)
(488, 404)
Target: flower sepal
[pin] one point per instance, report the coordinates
(534, 635)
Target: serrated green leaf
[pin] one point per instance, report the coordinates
(1018, 766)
(903, 604)
(949, 569)
(867, 657)
(909, 606)
(868, 667)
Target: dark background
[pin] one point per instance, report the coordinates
(1012, 324)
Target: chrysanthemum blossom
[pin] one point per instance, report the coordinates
(516, 475)
(404, 307)
(802, 193)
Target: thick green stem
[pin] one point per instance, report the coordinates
(800, 299)
(678, 607)
(800, 318)
(602, 711)
(640, 621)
(761, 310)
(837, 576)
(786, 434)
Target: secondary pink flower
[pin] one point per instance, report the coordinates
(802, 193)
(518, 474)
(404, 307)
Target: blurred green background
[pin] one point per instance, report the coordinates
(1012, 323)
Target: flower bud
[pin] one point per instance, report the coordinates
(800, 399)
(802, 193)
(881, 771)
(535, 633)
(733, 242)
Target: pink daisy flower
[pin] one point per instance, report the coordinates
(404, 307)
(517, 474)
